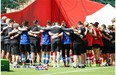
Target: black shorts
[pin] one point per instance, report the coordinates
(2, 45)
(105, 50)
(7, 47)
(96, 45)
(35, 45)
(15, 49)
(89, 48)
(56, 45)
(65, 46)
(65, 50)
(112, 49)
(25, 48)
(46, 48)
(84, 46)
(101, 47)
(77, 49)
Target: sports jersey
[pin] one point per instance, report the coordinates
(46, 38)
(66, 38)
(24, 38)
(6, 36)
(96, 39)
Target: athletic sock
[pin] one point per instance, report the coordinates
(23, 58)
(47, 58)
(30, 60)
(90, 59)
(68, 59)
(64, 60)
(44, 58)
(87, 59)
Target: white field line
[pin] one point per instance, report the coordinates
(76, 71)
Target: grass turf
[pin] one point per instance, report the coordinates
(62, 71)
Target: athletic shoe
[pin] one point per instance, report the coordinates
(74, 65)
(16, 66)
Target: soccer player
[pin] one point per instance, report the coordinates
(34, 34)
(56, 33)
(14, 36)
(7, 38)
(106, 41)
(82, 30)
(76, 46)
(24, 41)
(89, 37)
(65, 46)
(96, 43)
(112, 45)
(46, 44)
(3, 24)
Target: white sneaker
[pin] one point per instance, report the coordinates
(74, 65)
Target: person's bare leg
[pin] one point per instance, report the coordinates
(33, 57)
(54, 59)
(58, 59)
(39, 57)
(79, 60)
(17, 59)
(75, 61)
(8, 56)
(3, 54)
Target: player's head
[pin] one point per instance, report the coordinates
(7, 20)
(25, 23)
(3, 19)
(80, 24)
(48, 23)
(11, 22)
(86, 24)
(63, 24)
(96, 24)
(56, 23)
(103, 26)
(35, 22)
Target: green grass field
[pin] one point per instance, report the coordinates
(62, 71)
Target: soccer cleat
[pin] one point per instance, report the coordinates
(16, 66)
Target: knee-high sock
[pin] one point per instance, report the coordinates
(68, 59)
(47, 58)
(44, 58)
(64, 60)
(30, 60)
(23, 58)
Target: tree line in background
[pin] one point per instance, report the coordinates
(11, 4)
(111, 2)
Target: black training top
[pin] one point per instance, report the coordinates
(75, 38)
(2, 35)
(6, 36)
(56, 29)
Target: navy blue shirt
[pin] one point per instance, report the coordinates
(66, 38)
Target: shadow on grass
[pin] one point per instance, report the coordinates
(8, 71)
